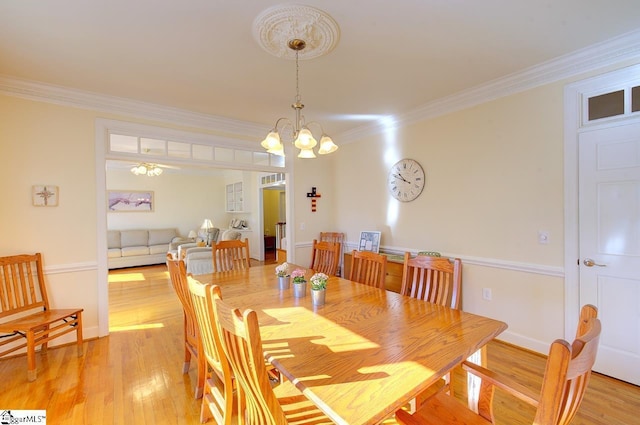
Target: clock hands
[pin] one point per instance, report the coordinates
(401, 178)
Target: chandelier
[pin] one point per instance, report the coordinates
(301, 135)
(145, 168)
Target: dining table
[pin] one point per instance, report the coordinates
(366, 352)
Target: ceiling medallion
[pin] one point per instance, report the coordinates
(276, 26)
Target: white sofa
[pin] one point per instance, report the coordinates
(131, 248)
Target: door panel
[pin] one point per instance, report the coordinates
(609, 178)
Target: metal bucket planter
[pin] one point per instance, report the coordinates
(299, 289)
(318, 296)
(284, 282)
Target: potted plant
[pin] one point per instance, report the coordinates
(282, 271)
(318, 288)
(299, 283)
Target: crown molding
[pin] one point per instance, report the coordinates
(49, 93)
(608, 53)
(611, 52)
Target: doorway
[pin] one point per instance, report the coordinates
(273, 220)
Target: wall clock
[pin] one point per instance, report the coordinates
(406, 180)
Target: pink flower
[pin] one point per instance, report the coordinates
(298, 275)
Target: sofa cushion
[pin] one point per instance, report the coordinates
(114, 253)
(135, 250)
(134, 238)
(158, 249)
(113, 239)
(161, 236)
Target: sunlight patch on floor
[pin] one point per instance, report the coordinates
(126, 277)
(136, 327)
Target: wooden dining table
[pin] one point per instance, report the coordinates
(366, 352)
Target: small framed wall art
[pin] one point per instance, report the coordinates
(369, 241)
(44, 195)
(130, 201)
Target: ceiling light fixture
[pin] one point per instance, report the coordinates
(302, 136)
(145, 168)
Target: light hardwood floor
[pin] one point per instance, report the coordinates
(134, 375)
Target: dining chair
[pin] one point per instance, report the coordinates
(218, 397)
(192, 342)
(369, 268)
(437, 280)
(325, 257)
(564, 383)
(230, 255)
(334, 237)
(434, 279)
(263, 404)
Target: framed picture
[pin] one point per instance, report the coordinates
(369, 241)
(129, 201)
(44, 195)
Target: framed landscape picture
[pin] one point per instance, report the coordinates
(129, 201)
(369, 241)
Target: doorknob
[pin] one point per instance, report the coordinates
(590, 263)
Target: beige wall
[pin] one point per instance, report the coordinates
(494, 178)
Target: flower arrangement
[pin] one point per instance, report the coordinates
(298, 276)
(282, 270)
(319, 281)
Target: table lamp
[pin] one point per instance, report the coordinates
(207, 225)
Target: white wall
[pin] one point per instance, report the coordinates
(182, 200)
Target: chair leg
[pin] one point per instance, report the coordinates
(79, 337)
(31, 357)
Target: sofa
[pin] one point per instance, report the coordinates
(131, 248)
(199, 260)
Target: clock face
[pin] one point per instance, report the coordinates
(406, 180)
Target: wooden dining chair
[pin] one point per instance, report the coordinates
(192, 342)
(263, 404)
(437, 280)
(325, 257)
(565, 381)
(434, 279)
(369, 268)
(230, 255)
(334, 237)
(218, 397)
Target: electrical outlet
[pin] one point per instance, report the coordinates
(486, 294)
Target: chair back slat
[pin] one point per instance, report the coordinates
(369, 268)
(22, 285)
(220, 403)
(242, 344)
(434, 279)
(230, 255)
(325, 257)
(178, 275)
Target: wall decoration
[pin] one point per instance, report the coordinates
(45, 195)
(369, 241)
(129, 201)
(313, 195)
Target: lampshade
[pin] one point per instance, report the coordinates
(306, 153)
(192, 234)
(207, 225)
(305, 139)
(327, 145)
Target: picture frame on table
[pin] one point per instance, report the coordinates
(369, 241)
(130, 201)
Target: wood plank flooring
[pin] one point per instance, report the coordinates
(134, 375)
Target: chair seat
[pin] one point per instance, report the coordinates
(297, 408)
(441, 409)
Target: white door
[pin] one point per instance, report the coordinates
(609, 178)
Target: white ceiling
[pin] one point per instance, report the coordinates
(200, 55)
